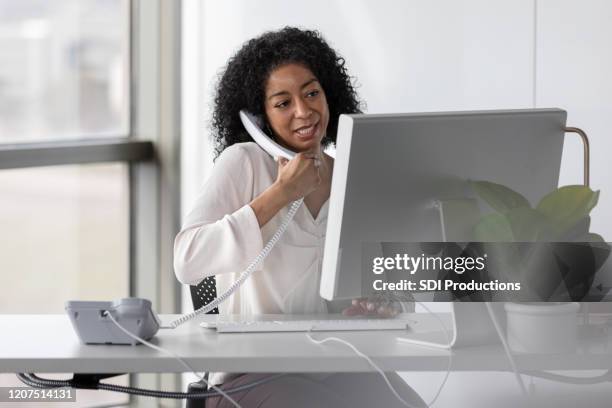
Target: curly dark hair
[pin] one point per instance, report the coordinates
(242, 84)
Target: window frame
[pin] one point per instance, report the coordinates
(82, 151)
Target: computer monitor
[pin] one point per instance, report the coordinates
(389, 169)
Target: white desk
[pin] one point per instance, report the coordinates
(47, 343)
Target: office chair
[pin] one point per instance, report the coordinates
(201, 295)
(204, 293)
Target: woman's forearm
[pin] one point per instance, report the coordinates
(267, 204)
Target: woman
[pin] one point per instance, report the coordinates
(298, 85)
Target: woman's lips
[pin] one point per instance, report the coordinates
(307, 133)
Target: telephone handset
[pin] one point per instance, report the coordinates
(252, 124)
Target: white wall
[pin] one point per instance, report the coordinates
(437, 55)
(574, 71)
(406, 55)
(431, 56)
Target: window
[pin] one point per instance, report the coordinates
(89, 129)
(64, 69)
(64, 236)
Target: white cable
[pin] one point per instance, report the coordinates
(450, 352)
(247, 272)
(172, 354)
(368, 359)
(382, 373)
(501, 336)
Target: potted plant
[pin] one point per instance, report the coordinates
(549, 249)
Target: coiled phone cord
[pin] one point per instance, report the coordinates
(247, 272)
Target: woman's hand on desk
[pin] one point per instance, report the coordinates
(374, 306)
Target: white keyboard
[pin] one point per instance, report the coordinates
(301, 323)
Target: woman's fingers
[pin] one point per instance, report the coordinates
(352, 311)
(355, 308)
(315, 157)
(299, 176)
(310, 155)
(372, 307)
(387, 311)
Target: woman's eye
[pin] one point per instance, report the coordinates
(282, 104)
(313, 93)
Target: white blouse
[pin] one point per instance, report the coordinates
(221, 236)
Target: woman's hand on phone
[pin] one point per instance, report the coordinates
(296, 178)
(299, 176)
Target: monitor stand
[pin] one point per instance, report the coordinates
(470, 325)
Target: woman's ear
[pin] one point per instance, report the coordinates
(264, 125)
(269, 130)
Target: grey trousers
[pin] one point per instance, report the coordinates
(337, 390)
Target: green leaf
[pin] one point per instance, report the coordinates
(567, 205)
(580, 228)
(493, 228)
(500, 198)
(528, 225)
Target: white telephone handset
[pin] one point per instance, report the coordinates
(252, 124)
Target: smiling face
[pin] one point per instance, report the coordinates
(296, 107)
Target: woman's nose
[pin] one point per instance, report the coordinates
(302, 110)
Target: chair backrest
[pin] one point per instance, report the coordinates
(204, 293)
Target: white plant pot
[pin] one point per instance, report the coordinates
(542, 327)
